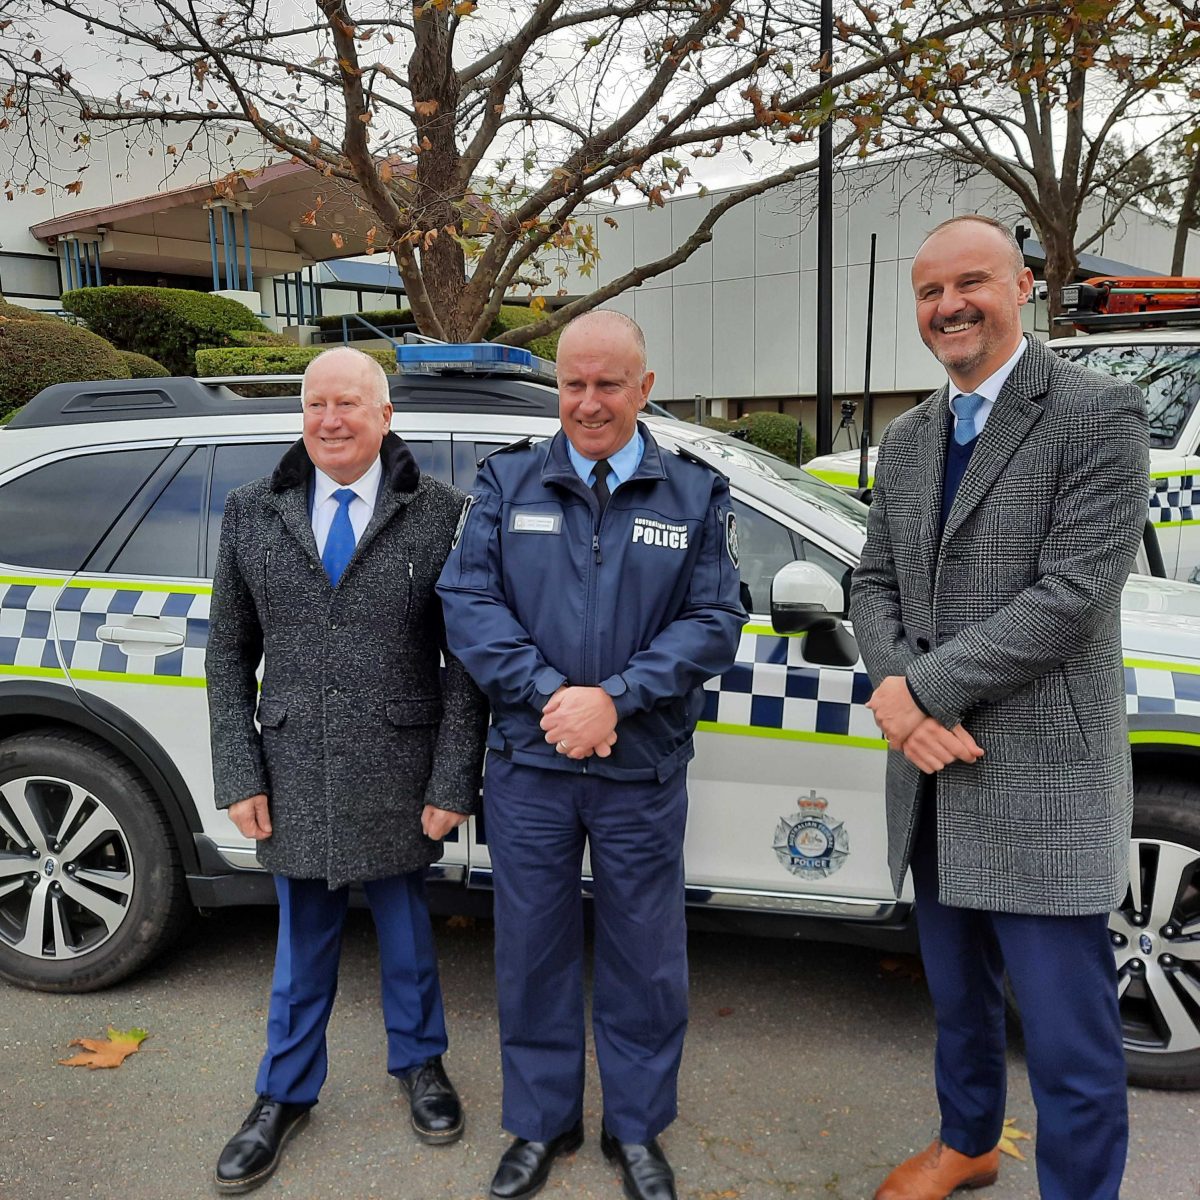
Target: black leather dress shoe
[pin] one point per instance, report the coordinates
(437, 1115)
(645, 1171)
(525, 1166)
(252, 1154)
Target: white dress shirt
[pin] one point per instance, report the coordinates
(324, 509)
(989, 389)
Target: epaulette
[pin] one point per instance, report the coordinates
(684, 452)
(522, 444)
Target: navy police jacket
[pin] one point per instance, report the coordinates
(540, 589)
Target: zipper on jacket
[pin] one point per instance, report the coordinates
(596, 545)
(409, 598)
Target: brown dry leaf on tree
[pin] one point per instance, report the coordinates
(97, 1054)
(1009, 1138)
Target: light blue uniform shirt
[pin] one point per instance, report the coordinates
(621, 465)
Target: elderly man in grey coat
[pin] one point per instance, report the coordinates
(365, 753)
(1007, 511)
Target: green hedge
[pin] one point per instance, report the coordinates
(257, 337)
(272, 360)
(771, 431)
(513, 316)
(167, 324)
(14, 312)
(38, 352)
(378, 317)
(141, 366)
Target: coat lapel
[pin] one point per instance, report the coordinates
(292, 505)
(1014, 414)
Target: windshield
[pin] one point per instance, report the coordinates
(816, 491)
(1168, 374)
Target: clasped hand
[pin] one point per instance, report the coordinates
(580, 722)
(926, 743)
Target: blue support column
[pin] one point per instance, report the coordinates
(299, 298)
(212, 247)
(96, 252)
(318, 300)
(64, 259)
(246, 240)
(89, 270)
(78, 265)
(225, 239)
(237, 271)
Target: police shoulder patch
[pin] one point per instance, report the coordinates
(462, 522)
(731, 537)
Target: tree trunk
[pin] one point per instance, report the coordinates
(1187, 217)
(1061, 265)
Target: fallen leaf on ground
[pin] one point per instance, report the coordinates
(97, 1054)
(1009, 1138)
(904, 966)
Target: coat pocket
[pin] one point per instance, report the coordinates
(424, 710)
(272, 713)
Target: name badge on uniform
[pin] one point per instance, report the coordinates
(534, 522)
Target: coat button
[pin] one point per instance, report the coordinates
(332, 691)
(922, 644)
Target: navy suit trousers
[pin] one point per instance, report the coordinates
(306, 972)
(1062, 972)
(538, 823)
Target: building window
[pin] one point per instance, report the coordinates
(32, 276)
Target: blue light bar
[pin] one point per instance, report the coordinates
(474, 358)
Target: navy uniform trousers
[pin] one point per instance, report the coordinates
(306, 972)
(538, 822)
(1064, 978)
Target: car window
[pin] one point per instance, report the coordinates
(167, 539)
(467, 456)
(54, 516)
(764, 546)
(432, 457)
(232, 466)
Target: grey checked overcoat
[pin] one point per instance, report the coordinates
(360, 728)
(1011, 625)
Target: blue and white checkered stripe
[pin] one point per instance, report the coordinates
(1174, 500)
(772, 687)
(78, 611)
(1154, 690)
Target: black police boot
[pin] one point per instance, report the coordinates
(525, 1166)
(437, 1115)
(645, 1171)
(252, 1154)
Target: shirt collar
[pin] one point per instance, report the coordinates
(622, 464)
(990, 388)
(365, 487)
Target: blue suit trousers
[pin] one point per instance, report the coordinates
(538, 823)
(305, 983)
(1064, 978)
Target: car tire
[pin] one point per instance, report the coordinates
(1156, 938)
(91, 884)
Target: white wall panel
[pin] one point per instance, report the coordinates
(776, 335)
(733, 337)
(686, 214)
(652, 311)
(776, 234)
(733, 244)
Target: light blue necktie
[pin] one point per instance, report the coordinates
(340, 542)
(966, 407)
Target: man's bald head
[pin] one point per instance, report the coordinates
(606, 322)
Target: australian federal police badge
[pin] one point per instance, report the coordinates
(810, 843)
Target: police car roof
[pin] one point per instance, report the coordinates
(158, 399)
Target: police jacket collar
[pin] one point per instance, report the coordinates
(400, 470)
(558, 468)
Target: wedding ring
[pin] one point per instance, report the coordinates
(563, 747)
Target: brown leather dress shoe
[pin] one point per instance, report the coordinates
(936, 1172)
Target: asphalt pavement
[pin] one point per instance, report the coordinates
(808, 1073)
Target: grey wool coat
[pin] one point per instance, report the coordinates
(360, 728)
(1012, 626)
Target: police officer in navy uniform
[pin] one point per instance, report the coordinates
(591, 590)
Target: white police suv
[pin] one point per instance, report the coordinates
(111, 497)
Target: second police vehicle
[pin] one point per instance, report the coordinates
(111, 496)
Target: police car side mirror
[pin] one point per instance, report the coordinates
(805, 598)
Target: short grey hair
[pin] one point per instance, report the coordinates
(610, 316)
(379, 379)
(1014, 247)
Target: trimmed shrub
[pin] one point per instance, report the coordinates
(14, 312)
(142, 367)
(257, 337)
(513, 316)
(771, 431)
(379, 317)
(36, 353)
(167, 324)
(272, 360)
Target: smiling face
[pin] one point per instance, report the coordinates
(602, 384)
(344, 422)
(969, 291)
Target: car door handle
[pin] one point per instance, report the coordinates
(145, 637)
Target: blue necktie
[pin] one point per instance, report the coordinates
(965, 408)
(339, 544)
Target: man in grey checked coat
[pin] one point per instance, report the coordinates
(364, 754)
(1007, 511)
